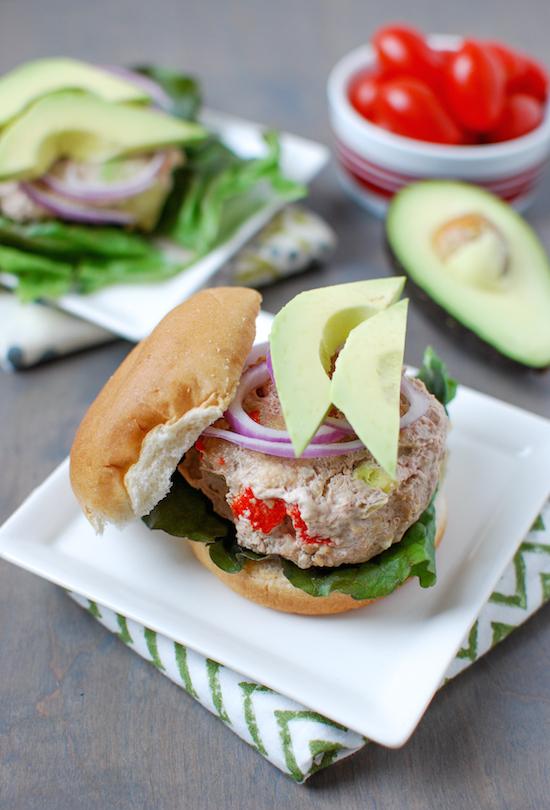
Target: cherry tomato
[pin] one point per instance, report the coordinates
(512, 62)
(521, 114)
(534, 81)
(475, 86)
(363, 92)
(403, 51)
(409, 107)
(523, 75)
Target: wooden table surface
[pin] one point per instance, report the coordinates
(84, 722)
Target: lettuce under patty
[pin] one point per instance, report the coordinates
(187, 512)
(213, 193)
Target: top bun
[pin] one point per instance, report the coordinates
(169, 388)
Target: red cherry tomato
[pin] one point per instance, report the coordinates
(403, 51)
(475, 87)
(512, 62)
(523, 75)
(409, 107)
(363, 92)
(534, 81)
(521, 114)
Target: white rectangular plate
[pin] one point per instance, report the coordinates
(373, 670)
(133, 310)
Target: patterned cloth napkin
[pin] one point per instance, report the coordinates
(295, 739)
(293, 240)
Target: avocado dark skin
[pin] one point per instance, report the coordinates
(441, 318)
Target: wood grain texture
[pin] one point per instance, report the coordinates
(85, 723)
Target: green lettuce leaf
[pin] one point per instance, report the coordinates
(217, 190)
(93, 274)
(380, 576)
(37, 275)
(229, 556)
(183, 90)
(186, 512)
(538, 525)
(61, 239)
(48, 277)
(436, 378)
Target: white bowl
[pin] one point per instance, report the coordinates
(376, 163)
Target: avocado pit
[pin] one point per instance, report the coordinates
(473, 249)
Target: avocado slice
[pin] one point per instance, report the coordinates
(85, 128)
(32, 80)
(305, 335)
(367, 380)
(479, 260)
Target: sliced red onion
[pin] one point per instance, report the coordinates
(258, 352)
(244, 425)
(249, 434)
(283, 449)
(82, 191)
(340, 423)
(146, 84)
(418, 403)
(76, 212)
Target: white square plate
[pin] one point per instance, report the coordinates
(373, 670)
(133, 310)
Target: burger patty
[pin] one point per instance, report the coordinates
(318, 511)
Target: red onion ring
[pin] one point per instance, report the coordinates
(81, 191)
(258, 352)
(282, 449)
(418, 400)
(244, 425)
(272, 442)
(69, 210)
(146, 84)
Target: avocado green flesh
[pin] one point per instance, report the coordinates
(367, 380)
(33, 80)
(305, 335)
(511, 313)
(85, 128)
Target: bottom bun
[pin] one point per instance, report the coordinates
(263, 582)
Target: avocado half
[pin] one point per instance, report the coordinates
(479, 260)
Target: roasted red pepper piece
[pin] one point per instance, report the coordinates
(261, 515)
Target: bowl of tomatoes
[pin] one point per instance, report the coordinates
(407, 107)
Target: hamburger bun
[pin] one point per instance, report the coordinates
(263, 581)
(169, 388)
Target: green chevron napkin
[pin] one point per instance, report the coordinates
(296, 740)
(295, 239)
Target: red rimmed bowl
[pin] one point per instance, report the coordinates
(375, 163)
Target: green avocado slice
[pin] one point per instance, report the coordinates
(479, 260)
(367, 379)
(85, 128)
(32, 80)
(304, 337)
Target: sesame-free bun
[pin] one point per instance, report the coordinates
(169, 388)
(263, 581)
